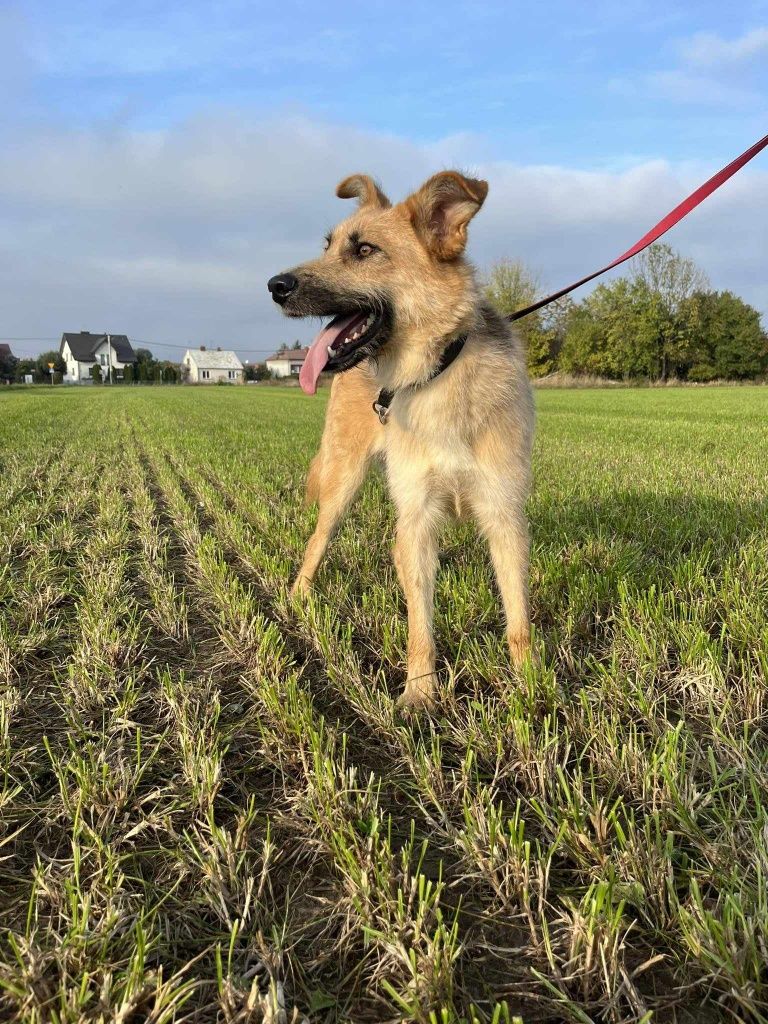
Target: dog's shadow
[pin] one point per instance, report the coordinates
(589, 551)
(638, 539)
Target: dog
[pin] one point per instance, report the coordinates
(427, 376)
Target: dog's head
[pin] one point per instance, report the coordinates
(386, 272)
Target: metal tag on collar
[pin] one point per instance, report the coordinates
(382, 411)
(382, 404)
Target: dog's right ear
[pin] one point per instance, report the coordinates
(363, 188)
(442, 208)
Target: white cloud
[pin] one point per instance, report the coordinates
(706, 49)
(714, 73)
(171, 236)
(701, 90)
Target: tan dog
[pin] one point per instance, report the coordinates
(459, 427)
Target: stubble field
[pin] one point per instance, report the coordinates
(209, 810)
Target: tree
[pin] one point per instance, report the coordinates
(143, 355)
(726, 338)
(511, 286)
(23, 368)
(257, 371)
(96, 374)
(50, 357)
(8, 365)
(546, 335)
(128, 375)
(671, 279)
(613, 332)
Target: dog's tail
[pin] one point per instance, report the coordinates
(312, 488)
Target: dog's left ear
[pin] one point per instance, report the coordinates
(364, 188)
(442, 208)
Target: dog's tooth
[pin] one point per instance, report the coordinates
(331, 353)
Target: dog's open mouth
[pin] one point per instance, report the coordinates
(343, 343)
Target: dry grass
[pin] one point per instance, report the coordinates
(209, 812)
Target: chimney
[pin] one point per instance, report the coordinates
(202, 348)
(218, 348)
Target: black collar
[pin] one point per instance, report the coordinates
(383, 402)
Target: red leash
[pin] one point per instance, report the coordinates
(672, 218)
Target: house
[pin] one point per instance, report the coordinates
(84, 350)
(208, 366)
(287, 362)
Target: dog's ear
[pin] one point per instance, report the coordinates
(364, 188)
(441, 210)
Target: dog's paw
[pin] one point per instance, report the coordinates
(520, 651)
(418, 697)
(301, 588)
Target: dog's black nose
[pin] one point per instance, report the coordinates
(281, 286)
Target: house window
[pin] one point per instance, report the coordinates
(295, 368)
(233, 374)
(103, 358)
(206, 374)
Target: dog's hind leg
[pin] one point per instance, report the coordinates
(506, 529)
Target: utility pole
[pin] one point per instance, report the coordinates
(109, 358)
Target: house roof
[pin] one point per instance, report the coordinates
(83, 345)
(289, 355)
(213, 359)
(5, 349)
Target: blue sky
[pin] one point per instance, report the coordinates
(165, 157)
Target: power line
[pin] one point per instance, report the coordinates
(183, 348)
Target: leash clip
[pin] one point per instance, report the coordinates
(382, 404)
(382, 411)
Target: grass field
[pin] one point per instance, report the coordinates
(208, 810)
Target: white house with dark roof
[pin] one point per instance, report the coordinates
(209, 366)
(83, 350)
(287, 362)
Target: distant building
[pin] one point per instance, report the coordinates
(84, 350)
(208, 366)
(287, 362)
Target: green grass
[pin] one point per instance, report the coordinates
(208, 810)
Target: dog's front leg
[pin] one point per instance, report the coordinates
(336, 479)
(416, 562)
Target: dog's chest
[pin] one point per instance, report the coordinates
(428, 438)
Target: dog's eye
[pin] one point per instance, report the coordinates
(326, 243)
(365, 249)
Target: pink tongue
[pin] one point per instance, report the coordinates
(318, 356)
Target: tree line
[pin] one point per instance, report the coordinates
(662, 321)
